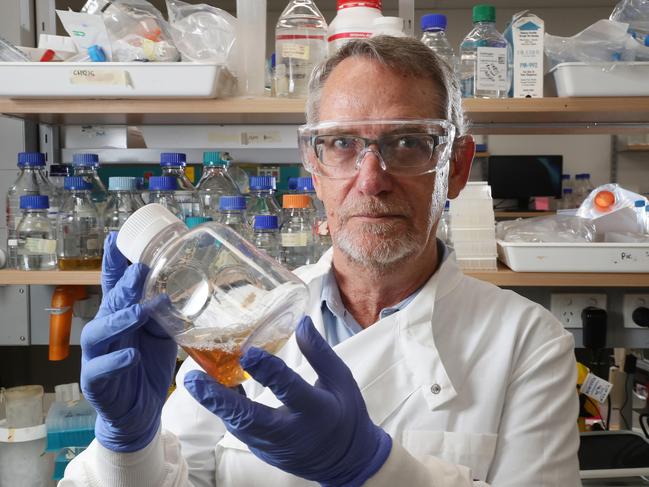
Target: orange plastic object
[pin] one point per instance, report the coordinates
(604, 200)
(63, 300)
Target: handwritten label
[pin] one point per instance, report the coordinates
(98, 76)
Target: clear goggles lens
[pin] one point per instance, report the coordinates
(404, 147)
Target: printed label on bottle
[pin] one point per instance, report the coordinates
(40, 246)
(104, 77)
(492, 68)
(295, 51)
(297, 239)
(349, 35)
(12, 242)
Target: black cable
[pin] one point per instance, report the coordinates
(626, 399)
(608, 412)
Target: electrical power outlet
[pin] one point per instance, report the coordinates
(567, 308)
(630, 303)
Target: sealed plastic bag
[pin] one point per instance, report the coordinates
(555, 228)
(636, 14)
(202, 33)
(606, 199)
(604, 41)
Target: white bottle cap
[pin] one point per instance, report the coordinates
(141, 228)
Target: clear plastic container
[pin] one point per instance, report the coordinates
(162, 190)
(266, 235)
(79, 230)
(300, 44)
(297, 231)
(433, 27)
(36, 235)
(122, 202)
(262, 198)
(212, 290)
(173, 165)
(233, 214)
(485, 58)
(56, 176)
(86, 166)
(23, 406)
(31, 181)
(354, 20)
(214, 183)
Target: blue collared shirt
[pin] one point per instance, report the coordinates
(339, 324)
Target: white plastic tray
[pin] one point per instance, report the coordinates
(602, 79)
(115, 80)
(575, 257)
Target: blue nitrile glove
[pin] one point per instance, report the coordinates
(322, 433)
(127, 360)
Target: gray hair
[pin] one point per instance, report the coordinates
(402, 54)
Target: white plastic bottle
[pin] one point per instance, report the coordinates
(354, 20)
(485, 58)
(300, 44)
(388, 26)
(434, 36)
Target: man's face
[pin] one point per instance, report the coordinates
(375, 218)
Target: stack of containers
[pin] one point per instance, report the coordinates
(473, 228)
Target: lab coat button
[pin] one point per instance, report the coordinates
(435, 389)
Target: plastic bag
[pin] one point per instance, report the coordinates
(604, 41)
(10, 53)
(636, 14)
(202, 33)
(555, 228)
(606, 199)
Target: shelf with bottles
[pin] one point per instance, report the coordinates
(49, 278)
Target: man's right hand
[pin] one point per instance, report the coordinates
(127, 359)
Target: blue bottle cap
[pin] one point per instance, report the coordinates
(162, 183)
(96, 54)
(567, 191)
(292, 184)
(173, 159)
(34, 202)
(85, 159)
(433, 22)
(639, 203)
(194, 221)
(586, 175)
(305, 184)
(232, 203)
(141, 184)
(31, 159)
(122, 183)
(262, 183)
(266, 222)
(60, 170)
(76, 183)
(565, 176)
(447, 205)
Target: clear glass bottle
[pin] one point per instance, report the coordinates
(86, 165)
(162, 190)
(300, 44)
(36, 237)
(79, 230)
(266, 235)
(640, 212)
(56, 176)
(297, 231)
(211, 290)
(485, 58)
(30, 181)
(233, 214)
(214, 183)
(321, 235)
(567, 200)
(173, 164)
(433, 27)
(122, 202)
(261, 200)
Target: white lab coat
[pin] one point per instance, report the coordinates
(475, 384)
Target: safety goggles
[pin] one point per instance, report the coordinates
(336, 150)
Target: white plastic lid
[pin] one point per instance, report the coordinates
(67, 392)
(141, 228)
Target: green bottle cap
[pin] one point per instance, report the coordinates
(213, 158)
(484, 13)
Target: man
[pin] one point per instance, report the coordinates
(437, 379)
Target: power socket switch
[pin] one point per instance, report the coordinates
(631, 303)
(567, 307)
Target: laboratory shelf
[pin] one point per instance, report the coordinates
(507, 116)
(502, 277)
(522, 214)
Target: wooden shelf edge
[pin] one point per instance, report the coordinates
(49, 278)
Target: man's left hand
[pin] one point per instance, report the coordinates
(322, 432)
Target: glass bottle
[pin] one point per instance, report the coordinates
(79, 229)
(162, 190)
(56, 176)
(261, 199)
(122, 202)
(321, 235)
(297, 231)
(86, 166)
(434, 36)
(173, 165)
(266, 235)
(36, 237)
(214, 183)
(233, 214)
(30, 181)
(485, 58)
(300, 44)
